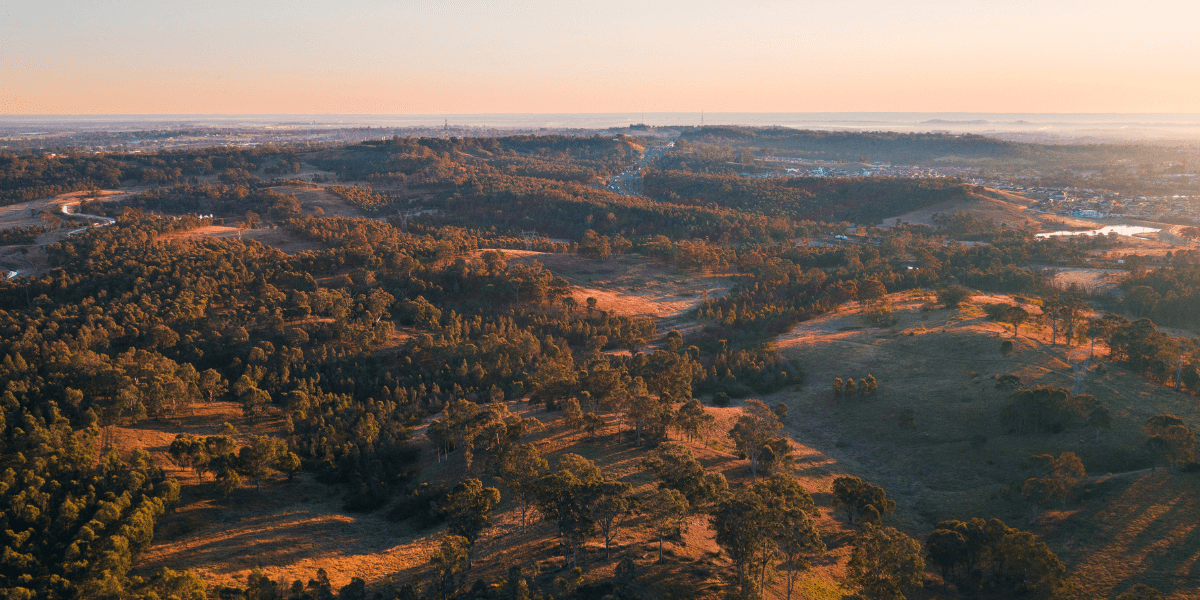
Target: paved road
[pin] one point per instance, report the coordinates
(633, 175)
(104, 221)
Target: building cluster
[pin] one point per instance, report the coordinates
(1097, 204)
(817, 168)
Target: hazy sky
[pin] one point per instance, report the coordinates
(253, 56)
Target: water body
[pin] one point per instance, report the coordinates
(1130, 230)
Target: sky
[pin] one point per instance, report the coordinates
(353, 57)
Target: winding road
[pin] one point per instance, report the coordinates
(104, 221)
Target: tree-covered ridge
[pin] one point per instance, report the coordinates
(26, 177)
(862, 200)
(75, 519)
(434, 162)
(921, 148)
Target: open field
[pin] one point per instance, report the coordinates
(1096, 281)
(320, 198)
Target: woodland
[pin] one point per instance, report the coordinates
(408, 330)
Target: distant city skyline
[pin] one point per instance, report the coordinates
(542, 57)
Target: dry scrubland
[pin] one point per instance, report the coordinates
(293, 529)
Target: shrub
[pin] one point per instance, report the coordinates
(953, 296)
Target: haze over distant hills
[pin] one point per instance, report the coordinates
(1041, 127)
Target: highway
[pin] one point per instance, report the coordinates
(633, 175)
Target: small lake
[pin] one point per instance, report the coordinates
(1117, 229)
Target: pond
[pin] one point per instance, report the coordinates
(1117, 229)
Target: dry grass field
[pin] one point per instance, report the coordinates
(1096, 281)
(940, 364)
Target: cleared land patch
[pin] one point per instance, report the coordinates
(630, 284)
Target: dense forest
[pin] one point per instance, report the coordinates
(385, 326)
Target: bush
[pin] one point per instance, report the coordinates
(422, 504)
(880, 317)
(1006, 347)
(953, 296)
(721, 399)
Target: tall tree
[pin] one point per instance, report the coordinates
(469, 511)
(1171, 438)
(757, 426)
(667, 510)
(612, 501)
(450, 562)
(742, 527)
(885, 563)
(520, 469)
(793, 529)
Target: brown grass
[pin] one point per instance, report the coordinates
(940, 364)
(331, 204)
